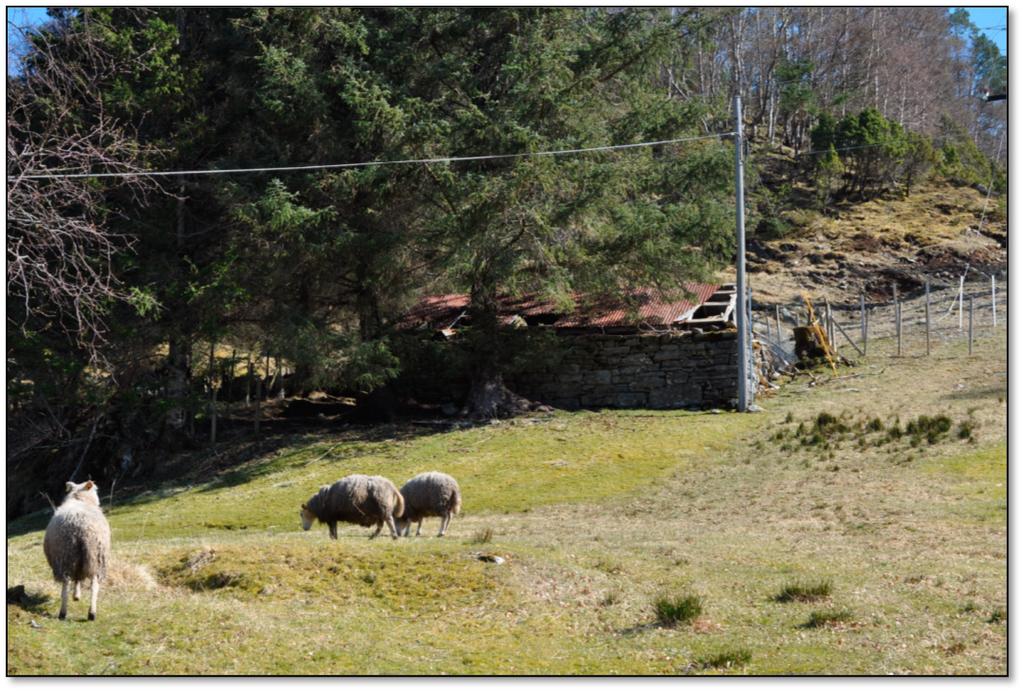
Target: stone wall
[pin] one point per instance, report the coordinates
(657, 371)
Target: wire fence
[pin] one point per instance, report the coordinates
(924, 322)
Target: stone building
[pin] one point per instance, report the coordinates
(653, 353)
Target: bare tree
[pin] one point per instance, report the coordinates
(60, 249)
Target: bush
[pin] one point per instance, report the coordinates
(673, 611)
(730, 658)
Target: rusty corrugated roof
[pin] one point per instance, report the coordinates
(642, 308)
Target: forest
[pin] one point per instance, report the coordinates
(134, 299)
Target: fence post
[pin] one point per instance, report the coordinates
(994, 316)
(927, 314)
(971, 325)
(777, 320)
(213, 392)
(866, 330)
(961, 280)
(863, 321)
(259, 397)
(898, 326)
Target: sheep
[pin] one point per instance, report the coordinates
(357, 499)
(77, 543)
(431, 494)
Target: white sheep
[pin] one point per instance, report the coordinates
(77, 543)
(430, 494)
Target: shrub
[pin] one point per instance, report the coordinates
(730, 658)
(804, 591)
(678, 610)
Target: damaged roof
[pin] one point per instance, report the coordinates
(646, 308)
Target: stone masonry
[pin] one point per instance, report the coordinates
(657, 371)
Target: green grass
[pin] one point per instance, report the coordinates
(596, 516)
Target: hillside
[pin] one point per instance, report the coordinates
(933, 232)
(597, 515)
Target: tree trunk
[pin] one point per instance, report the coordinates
(488, 396)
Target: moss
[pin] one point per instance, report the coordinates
(339, 573)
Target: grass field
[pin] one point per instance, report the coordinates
(783, 541)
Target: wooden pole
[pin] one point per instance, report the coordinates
(248, 385)
(259, 396)
(898, 326)
(777, 321)
(848, 338)
(827, 321)
(927, 315)
(866, 330)
(213, 394)
(230, 380)
(863, 321)
(994, 315)
(961, 280)
(971, 325)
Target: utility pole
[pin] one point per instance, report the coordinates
(742, 341)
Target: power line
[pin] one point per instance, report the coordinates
(362, 164)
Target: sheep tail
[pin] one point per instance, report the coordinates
(456, 503)
(399, 505)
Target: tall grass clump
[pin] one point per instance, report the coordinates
(678, 610)
(806, 592)
(730, 658)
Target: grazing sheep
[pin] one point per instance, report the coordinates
(77, 543)
(357, 499)
(431, 494)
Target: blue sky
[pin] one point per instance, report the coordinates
(985, 17)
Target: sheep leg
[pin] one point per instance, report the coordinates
(392, 527)
(95, 597)
(380, 526)
(64, 587)
(444, 524)
(333, 529)
(78, 591)
(419, 527)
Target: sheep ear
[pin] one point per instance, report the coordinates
(89, 485)
(69, 486)
(303, 506)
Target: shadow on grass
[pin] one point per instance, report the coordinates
(241, 457)
(30, 602)
(641, 629)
